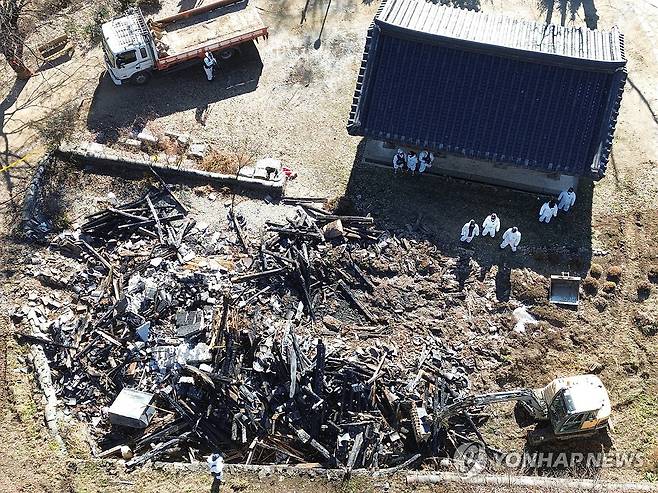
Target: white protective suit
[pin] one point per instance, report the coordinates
(399, 160)
(566, 200)
(490, 227)
(546, 213)
(412, 162)
(511, 238)
(465, 237)
(216, 465)
(425, 159)
(209, 63)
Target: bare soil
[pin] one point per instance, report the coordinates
(289, 100)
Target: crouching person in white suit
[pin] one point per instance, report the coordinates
(491, 225)
(511, 238)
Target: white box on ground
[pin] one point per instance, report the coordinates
(132, 408)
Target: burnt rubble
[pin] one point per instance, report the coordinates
(173, 341)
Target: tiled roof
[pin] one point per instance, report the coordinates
(421, 16)
(487, 87)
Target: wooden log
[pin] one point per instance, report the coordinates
(258, 275)
(350, 296)
(348, 219)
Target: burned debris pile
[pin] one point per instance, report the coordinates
(173, 341)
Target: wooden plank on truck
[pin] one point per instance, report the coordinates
(221, 31)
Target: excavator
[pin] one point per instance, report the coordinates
(572, 408)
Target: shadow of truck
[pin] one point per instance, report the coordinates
(115, 107)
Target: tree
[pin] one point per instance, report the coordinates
(12, 36)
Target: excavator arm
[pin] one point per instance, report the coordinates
(528, 397)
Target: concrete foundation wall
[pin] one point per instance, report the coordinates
(480, 171)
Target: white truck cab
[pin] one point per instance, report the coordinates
(129, 52)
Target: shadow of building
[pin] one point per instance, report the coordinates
(445, 204)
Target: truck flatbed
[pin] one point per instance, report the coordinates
(219, 29)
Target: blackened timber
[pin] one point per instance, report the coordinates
(297, 232)
(169, 192)
(158, 226)
(127, 214)
(363, 277)
(348, 292)
(348, 219)
(172, 429)
(354, 453)
(159, 450)
(239, 232)
(258, 275)
(95, 253)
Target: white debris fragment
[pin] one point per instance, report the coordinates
(522, 317)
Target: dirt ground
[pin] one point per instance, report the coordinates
(289, 100)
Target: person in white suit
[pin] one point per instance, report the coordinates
(425, 159)
(216, 466)
(209, 63)
(566, 199)
(470, 231)
(548, 211)
(399, 161)
(511, 238)
(412, 162)
(491, 225)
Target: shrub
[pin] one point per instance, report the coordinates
(614, 273)
(595, 270)
(653, 273)
(590, 285)
(220, 162)
(93, 29)
(643, 289)
(646, 323)
(169, 146)
(609, 286)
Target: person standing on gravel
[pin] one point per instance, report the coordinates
(209, 63)
(216, 465)
(511, 238)
(566, 199)
(412, 162)
(425, 159)
(399, 161)
(548, 211)
(491, 225)
(470, 231)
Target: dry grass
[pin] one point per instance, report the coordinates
(646, 322)
(614, 273)
(609, 286)
(57, 127)
(303, 72)
(226, 163)
(341, 205)
(169, 146)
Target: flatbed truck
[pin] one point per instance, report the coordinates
(136, 48)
